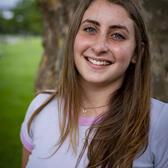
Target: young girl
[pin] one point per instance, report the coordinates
(101, 114)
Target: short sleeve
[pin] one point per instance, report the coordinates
(160, 139)
(27, 137)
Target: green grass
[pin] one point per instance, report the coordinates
(18, 66)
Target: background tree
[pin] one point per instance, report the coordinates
(56, 17)
(157, 16)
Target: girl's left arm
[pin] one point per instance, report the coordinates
(25, 157)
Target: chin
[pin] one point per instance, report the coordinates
(96, 82)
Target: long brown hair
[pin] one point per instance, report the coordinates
(120, 134)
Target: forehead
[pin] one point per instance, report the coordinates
(107, 13)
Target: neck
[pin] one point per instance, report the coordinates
(96, 96)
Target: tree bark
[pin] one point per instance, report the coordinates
(56, 17)
(157, 16)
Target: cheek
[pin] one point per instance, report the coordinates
(81, 43)
(76, 45)
(124, 54)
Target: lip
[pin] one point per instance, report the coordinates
(99, 59)
(97, 67)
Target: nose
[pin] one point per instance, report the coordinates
(100, 46)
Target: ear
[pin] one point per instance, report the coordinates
(134, 57)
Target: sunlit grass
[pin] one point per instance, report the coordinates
(19, 61)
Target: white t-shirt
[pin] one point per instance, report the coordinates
(44, 135)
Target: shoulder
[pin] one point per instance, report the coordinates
(158, 105)
(159, 116)
(46, 105)
(159, 111)
(45, 98)
(158, 139)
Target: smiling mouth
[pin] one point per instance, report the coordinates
(98, 62)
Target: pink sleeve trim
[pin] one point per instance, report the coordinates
(26, 141)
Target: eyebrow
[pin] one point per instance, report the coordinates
(111, 27)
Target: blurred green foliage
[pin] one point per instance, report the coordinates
(26, 19)
(19, 59)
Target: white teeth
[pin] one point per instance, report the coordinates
(98, 62)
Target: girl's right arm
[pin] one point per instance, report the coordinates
(25, 157)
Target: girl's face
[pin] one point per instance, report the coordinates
(104, 45)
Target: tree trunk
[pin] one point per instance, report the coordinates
(56, 17)
(157, 16)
